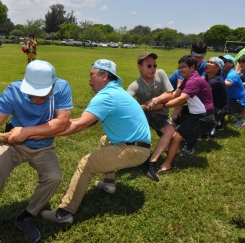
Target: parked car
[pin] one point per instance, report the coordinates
(71, 42)
(128, 46)
(89, 43)
(112, 44)
(102, 44)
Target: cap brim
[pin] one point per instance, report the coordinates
(35, 90)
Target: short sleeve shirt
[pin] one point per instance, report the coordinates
(24, 112)
(174, 77)
(144, 92)
(200, 93)
(123, 119)
(236, 90)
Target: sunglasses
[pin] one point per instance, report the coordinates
(150, 66)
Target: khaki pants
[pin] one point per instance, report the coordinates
(106, 160)
(44, 161)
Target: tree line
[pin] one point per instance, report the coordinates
(58, 24)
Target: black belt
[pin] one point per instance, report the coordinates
(140, 144)
(204, 114)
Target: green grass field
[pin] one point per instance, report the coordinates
(201, 200)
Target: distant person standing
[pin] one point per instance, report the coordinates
(31, 50)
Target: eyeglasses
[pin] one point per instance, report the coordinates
(150, 66)
(179, 68)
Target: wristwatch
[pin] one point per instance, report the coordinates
(155, 101)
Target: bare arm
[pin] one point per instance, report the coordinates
(177, 101)
(48, 129)
(163, 98)
(228, 83)
(86, 120)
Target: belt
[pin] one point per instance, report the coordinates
(204, 114)
(140, 144)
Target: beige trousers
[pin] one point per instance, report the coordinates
(44, 161)
(106, 160)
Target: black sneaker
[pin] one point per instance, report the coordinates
(31, 233)
(208, 135)
(152, 171)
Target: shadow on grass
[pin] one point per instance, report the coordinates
(96, 203)
(239, 222)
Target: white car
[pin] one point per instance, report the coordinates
(102, 44)
(128, 46)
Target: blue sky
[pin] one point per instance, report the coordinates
(188, 17)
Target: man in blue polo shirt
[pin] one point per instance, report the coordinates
(236, 91)
(126, 143)
(39, 105)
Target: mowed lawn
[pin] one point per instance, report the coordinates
(201, 200)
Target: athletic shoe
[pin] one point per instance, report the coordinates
(145, 165)
(185, 151)
(108, 187)
(152, 171)
(31, 233)
(208, 135)
(53, 216)
(238, 124)
(219, 127)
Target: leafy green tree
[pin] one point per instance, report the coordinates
(35, 27)
(126, 38)
(67, 31)
(217, 35)
(201, 35)
(137, 39)
(237, 34)
(192, 38)
(71, 18)
(106, 29)
(93, 33)
(85, 24)
(6, 27)
(55, 17)
(18, 33)
(169, 38)
(122, 30)
(114, 36)
(146, 40)
(141, 30)
(3, 13)
(19, 27)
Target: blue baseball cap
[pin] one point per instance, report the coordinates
(107, 65)
(219, 62)
(228, 57)
(39, 78)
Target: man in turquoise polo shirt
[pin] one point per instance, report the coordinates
(126, 143)
(39, 105)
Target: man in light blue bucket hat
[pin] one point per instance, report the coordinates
(126, 144)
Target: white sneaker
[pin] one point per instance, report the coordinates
(108, 187)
